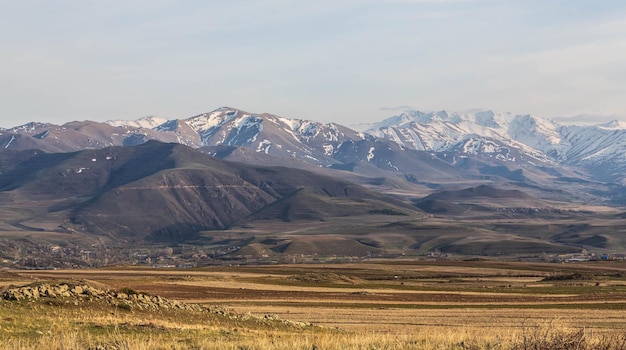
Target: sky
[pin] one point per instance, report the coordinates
(343, 61)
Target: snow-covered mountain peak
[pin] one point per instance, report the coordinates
(149, 122)
(538, 133)
(207, 121)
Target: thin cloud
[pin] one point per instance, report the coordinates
(588, 118)
(397, 108)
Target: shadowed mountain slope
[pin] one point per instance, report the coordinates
(162, 191)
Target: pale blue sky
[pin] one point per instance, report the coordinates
(343, 60)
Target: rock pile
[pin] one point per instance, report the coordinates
(125, 299)
(83, 292)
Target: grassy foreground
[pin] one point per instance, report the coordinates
(57, 325)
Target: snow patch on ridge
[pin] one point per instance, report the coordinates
(10, 141)
(245, 130)
(370, 154)
(264, 146)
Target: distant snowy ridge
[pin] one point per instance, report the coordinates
(493, 137)
(441, 131)
(539, 138)
(613, 125)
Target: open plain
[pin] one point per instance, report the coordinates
(377, 304)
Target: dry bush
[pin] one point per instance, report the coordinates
(555, 337)
(550, 338)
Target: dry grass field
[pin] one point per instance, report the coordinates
(374, 305)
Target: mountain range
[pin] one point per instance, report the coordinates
(429, 149)
(160, 180)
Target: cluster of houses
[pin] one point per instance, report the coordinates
(589, 256)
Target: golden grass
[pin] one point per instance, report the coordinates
(131, 332)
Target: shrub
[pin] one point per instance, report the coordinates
(551, 337)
